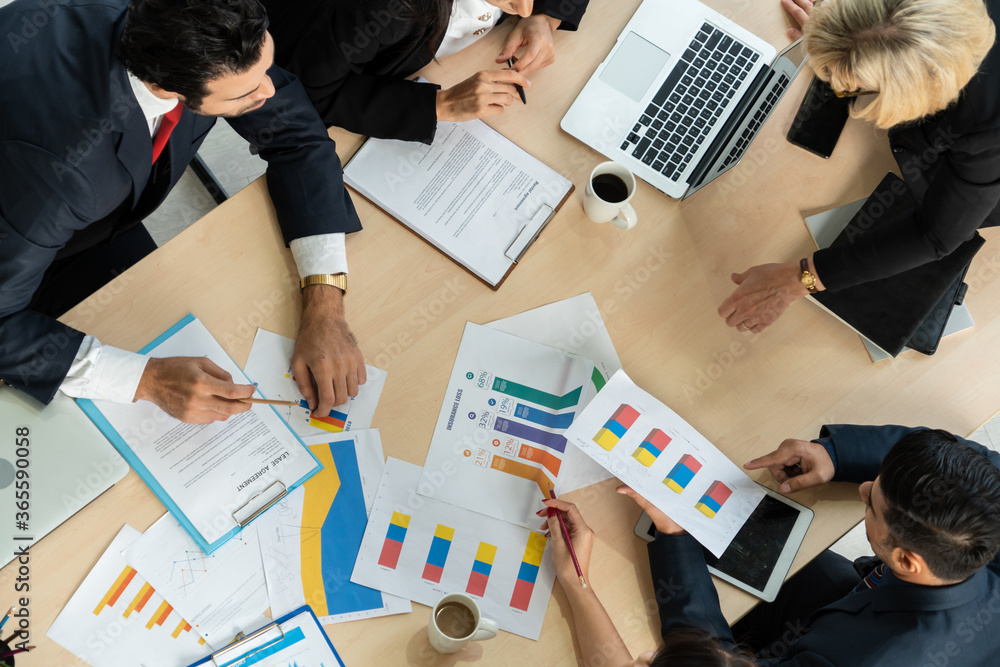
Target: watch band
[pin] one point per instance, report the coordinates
(807, 278)
(338, 280)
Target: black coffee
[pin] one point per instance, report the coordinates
(610, 188)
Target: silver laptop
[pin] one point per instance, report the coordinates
(681, 95)
(53, 461)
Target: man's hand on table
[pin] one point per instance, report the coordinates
(327, 363)
(764, 292)
(192, 389)
(796, 465)
(534, 35)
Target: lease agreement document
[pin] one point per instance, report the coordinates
(210, 476)
(473, 194)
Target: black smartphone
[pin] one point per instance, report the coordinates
(820, 119)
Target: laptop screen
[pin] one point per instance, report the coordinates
(634, 66)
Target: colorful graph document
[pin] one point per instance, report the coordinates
(117, 619)
(221, 594)
(295, 640)
(473, 194)
(420, 548)
(310, 541)
(499, 440)
(211, 477)
(268, 366)
(572, 325)
(649, 447)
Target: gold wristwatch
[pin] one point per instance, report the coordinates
(338, 280)
(807, 279)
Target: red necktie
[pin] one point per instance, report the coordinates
(167, 125)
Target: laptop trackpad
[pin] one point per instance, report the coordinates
(634, 66)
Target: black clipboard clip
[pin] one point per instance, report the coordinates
(515, 251)
(219, 657)
(269, 498)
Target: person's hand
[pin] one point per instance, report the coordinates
(192, 389)
(326, 362)
(579, 532)
(796, 465)
(799, 9)
(664, 524)
(534, 35)
(762, 295)
(483, 94)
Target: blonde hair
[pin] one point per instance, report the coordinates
(918, 54)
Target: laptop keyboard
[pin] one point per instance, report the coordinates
(699, 88)
(777, 90)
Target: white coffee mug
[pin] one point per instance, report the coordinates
(621, 189)
(456, 621)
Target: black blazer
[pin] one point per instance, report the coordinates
(352, 57)
(951, 163)
(75, 153)
(887, 625)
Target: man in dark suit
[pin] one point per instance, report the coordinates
(933, 519)
(103, 104)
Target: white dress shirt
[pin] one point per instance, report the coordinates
(470, 20)
(108, 373)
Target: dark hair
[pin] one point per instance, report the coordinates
(691, 647)
(430, 18)
(942, 502)
(180, 45)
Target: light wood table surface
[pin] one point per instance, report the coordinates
(658, 287)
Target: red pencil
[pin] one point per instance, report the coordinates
(565, 532)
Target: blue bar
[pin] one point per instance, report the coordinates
(681, 474)
(615, 428)
(397, 533)
(481, 567)
(542, 417)
(649, 447)
(439, 552)
(707, 501)
(528, 572)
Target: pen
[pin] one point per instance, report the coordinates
(565, 532)
(6, 617)
(267, 401)
(520, 91)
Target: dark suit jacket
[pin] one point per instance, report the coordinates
(352, 57)
(887, 625)
(75, 153)
(951, 163)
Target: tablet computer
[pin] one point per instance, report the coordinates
(758, 558)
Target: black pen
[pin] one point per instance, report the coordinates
(520, 90)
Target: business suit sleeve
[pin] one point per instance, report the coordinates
(36, 351)
(569, 11)
(304, 175)
(330, 57)
(685, 594)
(964, 190)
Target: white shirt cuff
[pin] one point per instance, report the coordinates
(322, 254)
(104, 372)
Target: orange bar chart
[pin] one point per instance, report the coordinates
(549, 461)
(117, 588)
(519, 469)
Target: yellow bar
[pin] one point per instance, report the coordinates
(400, 519)
(536, 547)
(137, 599)
(114, 588)
(606, 439)
(320, 492)
(444, 532)
(159, 616)
(706, 510)
(486, 553)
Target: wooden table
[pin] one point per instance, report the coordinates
(658, 287)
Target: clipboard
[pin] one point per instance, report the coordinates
(522, 240)
(297, 635)
(244, 512)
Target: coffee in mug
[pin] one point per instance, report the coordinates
(610, 188)
(455, 620)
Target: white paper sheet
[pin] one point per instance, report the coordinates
(285, 537)
(499, 440)
(572, 325)
(221, 594)
(435, 553)
(210, 470)
(116, 619)
(649, 447)
(470, 193)
(268, 366)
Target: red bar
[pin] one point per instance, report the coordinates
(719, 492)
(433, 573)
(625, 415)
(477, 584)
(658, 439)
(522, 595)
(692, 464)
(121, 589)
(390, 554)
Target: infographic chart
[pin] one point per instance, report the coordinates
(446, 549)
(268, 367)
(503, 423)
(649, 447)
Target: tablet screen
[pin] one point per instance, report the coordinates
(755, 550)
